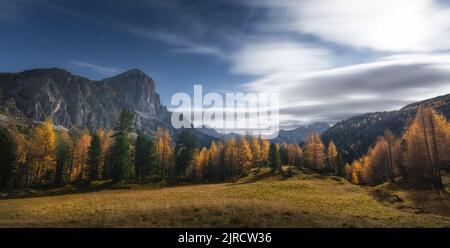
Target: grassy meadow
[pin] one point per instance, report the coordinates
(259, 200)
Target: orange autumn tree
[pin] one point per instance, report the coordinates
(314, 152)
(80, 156)
(43, 148)
(245, 157)
(106, 142)
(381, 161)
(216, 153)
(426, 147)
(64, 149)
(164, 150)
(265, 146)
(332, 158)
(230, 159)
(256, 150)
(295, 153)
(201, 164)
(357, 172)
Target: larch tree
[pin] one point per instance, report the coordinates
(64, 146)
(425, 145)
(231, 159)
(357, 172)
(44, 139)
(214, 160)
(165, 153)
(255, 145)
(333, 158)
(392, 151)
(314, 152)
(265, 145)
(216, 152)
(106, 141)
(348, 171)
(201, 165)
(294, 154)
(80, 156)
(245, 158)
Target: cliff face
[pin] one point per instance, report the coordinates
(76, 102)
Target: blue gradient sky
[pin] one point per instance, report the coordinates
(328, 59)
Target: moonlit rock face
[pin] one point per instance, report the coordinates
(77, 102)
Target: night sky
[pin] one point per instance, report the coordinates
(328, 59)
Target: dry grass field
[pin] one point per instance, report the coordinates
(258, 201)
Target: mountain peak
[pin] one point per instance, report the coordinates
(77, 102)
(46, 71)
(130, 74)
(133, 72)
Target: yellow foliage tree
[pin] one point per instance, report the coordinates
(245, 157)
(426, 147)
(265, 146)
(80, 150)
(332, 157)
(230, 158)
(295, 153)
(357, 172)
(106, 142)
(314, 152)
(164, 150)
(255, 145)
(43, 147)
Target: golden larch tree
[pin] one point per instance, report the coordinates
(245, 158)
(314, 152)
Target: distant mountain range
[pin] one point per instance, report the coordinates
(299, 135)
(354, 136)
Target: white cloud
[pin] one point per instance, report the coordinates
(181, 43)
(103, 70)
(384, 25)
(272, 57)
(330, 95)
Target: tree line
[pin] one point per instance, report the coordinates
(49, 155)
(419, 156)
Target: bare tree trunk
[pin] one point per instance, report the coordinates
(390, 162)
(436, 168)
(430, 162)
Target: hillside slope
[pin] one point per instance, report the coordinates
(355, 135)
(264, 201)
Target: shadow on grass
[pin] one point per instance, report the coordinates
(259, 176)
(255, 178)
(417, 200)
(41, 191)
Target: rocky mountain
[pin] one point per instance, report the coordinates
(354, 136)
(77, 102)
(300, 134)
